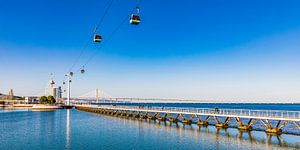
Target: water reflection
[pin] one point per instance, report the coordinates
(278, 139)
(68, 129)
(257, 139)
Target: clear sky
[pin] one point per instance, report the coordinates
(197, 49)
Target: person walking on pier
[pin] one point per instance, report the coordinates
(216, 110)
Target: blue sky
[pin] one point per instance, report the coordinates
(198, 49)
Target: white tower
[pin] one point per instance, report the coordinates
(51, 83)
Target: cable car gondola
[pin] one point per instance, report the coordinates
(135, 18)
(97, 38)
(71, 73)
(82, 71)
(52, 82)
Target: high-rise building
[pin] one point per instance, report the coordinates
(57, 93)
(51, 89)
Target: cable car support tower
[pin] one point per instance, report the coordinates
(69, 76)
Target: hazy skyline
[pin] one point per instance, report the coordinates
(247, 50)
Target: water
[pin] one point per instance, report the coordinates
(73, 129)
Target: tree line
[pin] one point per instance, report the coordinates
(47, 100)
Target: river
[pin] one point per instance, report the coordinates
(73, 129)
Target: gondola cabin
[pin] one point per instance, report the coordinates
(135, 19)
(82, 71)
(97, 38)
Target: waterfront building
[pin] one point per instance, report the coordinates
(31, 100)
(57, 93)
(54, 91)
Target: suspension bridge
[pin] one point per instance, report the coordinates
(100, 96)
(273, 120)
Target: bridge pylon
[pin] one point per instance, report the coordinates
(97, 95)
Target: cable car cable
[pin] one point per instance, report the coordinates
(108, 39)
(98, 25)
(88, 43)
(80, 55)
(112, 33)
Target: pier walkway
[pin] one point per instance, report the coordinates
(201, 116)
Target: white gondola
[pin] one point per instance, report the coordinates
(135, 19)
(97, 38)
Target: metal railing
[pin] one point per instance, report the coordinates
(280, 114)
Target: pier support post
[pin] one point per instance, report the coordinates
(143, 116)
(162, 118)
(171, 119)
(116, 113)
(203, 122)
(277, 129)
(243, 127)
(138, 115)
(152, 117)
(134, 115)
(124, 113)
(220, 124)
(297, 124)
(113, 112)
(184, 120)
(129, 114)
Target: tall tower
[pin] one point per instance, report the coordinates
(51, 83)
(97, 95)
(11, 94)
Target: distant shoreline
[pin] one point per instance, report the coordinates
(31, 106)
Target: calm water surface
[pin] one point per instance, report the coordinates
(73, 129)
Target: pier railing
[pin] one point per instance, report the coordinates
(244, 113)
